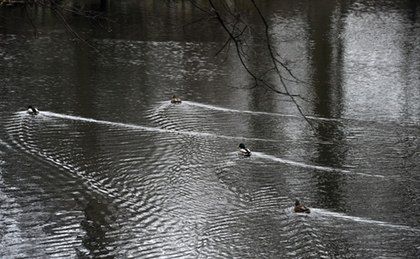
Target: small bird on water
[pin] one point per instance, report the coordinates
(175, 99)
(32, 110)
(243, 150)
(300, 208)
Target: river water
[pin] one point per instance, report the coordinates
(110, 168)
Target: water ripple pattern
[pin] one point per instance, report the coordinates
(176, 188)
(110, 168)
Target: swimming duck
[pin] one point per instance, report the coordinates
(243, 150)
(32, 110)
(175, 99)
(300, 208)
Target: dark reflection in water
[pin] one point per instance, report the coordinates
(327, 83)
(84, 92)
(110, 168)
(96, 224)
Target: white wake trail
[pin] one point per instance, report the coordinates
(304, 165)
(325, 213)
(217, 108)
(145, 128)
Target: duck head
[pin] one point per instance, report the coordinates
(242, 145)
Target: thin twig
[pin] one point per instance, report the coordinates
(227, 43)
(257, 80)
(275, 63)
(70, 29)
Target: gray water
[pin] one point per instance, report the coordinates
(110, 168)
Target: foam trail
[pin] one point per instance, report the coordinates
(361, 220)
(145, 128)
(316, 167)
(217, 108)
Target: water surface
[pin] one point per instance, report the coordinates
(110, 168)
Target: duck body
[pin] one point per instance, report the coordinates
(175, 99)
(32, 110)
(243, 151)
(300, 208)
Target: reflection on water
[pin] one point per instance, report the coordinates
(111, 168)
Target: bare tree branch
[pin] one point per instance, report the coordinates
(235, 27)
(257, 80)
(226, 44)
(276, 62)
(232, 22)
(59, 12)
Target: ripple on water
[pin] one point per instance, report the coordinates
(173, 190)
(146, 173)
